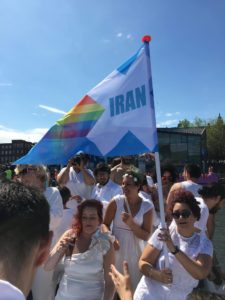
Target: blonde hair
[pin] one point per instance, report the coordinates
(40, 171)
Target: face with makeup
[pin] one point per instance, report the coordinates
(90, 220)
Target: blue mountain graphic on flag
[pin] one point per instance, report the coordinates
(126, 144)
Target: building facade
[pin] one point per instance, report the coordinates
(183, 145)
(9, 152)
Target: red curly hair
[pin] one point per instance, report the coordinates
(77, 226)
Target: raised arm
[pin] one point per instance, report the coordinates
(63, 176)
(122, 282)
(109, 215)
(198, 268)
(59, 250)
(147, 264)
(142, 232)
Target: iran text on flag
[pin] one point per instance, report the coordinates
(115, 118)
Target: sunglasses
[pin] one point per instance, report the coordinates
(183, 213)
(27, 170)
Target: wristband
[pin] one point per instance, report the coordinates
(175, 251)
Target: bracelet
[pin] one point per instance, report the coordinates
(175, 251)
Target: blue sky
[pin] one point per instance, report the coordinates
(53, 52)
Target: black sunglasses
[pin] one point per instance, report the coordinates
(27, 170)
(183, 213)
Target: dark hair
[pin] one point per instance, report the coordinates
(144, 181)
(87, 203)
(186, 197)
(82, 156)
(212, 190)
(193, 169)
(101, 167)
(65, 194)
(24, 220)
(171, 169)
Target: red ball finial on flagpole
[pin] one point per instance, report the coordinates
(146, 38)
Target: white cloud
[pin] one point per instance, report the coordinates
(52, 109)
(106, 41)
(2, 84)
(129, 36)
(32, 135)
(168, 123)
(119, 34)
(172, 114)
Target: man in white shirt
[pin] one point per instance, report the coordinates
(191, 174)
(77, 177)
(105, 189)
(25, 238)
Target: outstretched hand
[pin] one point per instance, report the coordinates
(122, 282)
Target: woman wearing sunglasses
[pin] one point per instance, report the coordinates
(190, 255)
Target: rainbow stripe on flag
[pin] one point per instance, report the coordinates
(78, 121)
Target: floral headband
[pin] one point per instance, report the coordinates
(135, 179)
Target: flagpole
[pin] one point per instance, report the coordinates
(146, 39)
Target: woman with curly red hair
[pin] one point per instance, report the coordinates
(88, 255)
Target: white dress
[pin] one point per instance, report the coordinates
(84, 275)
(183, 282)
(130, 246)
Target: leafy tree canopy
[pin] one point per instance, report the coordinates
(215, 132)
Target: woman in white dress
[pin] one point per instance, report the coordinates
(88, 256)
(131, 216)
(190, 255)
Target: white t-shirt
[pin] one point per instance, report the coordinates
(107, 191)
(10, 292)
(54, 199)
(66, 222)
(183, 282)
(202, 222)
(149, 181)
(191, 187)
(76, 183)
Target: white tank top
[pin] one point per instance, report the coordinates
(191, 187)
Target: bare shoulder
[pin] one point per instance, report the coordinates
(176, 186)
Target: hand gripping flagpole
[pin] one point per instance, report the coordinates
(146, 39)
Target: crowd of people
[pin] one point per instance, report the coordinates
(97, 234)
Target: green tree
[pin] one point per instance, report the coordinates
(184, 123)
(215, 132)
(198, 122)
